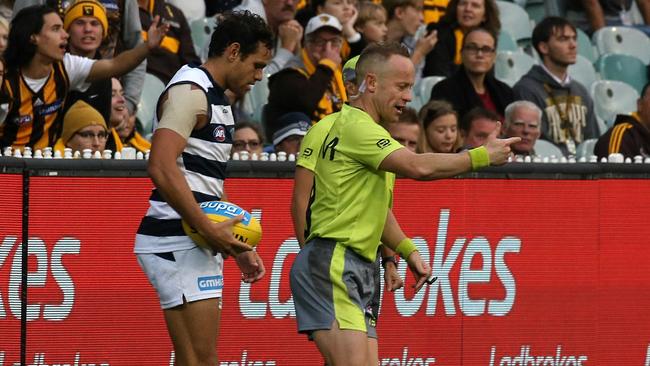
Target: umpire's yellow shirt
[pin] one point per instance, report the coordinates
(351, 195)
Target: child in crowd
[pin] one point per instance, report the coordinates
(371, 22)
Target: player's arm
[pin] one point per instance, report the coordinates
(435, 166)
(128, 60)
(167, 144)
(302, 186)
(249, 262)
(396, 240)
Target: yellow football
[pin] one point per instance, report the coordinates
(248, 231)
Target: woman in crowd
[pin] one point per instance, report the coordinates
(461, 17)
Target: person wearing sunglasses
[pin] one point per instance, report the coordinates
(83, 128)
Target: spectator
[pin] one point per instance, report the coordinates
(123, 122)
(87, 29)
(248, 137)
(591, 15)
(434, 10)
(176, 48)
(477, 125)
(279, 16)
(371, 22)
(630, 135)
(568, 109)
(36, 57)
(461, 17)
(347, 13)
(523, 119)
(124, 33)
(294, 128)
(404, 19)
(406, 130)
(474, 84)
(314, 83)
(83, 128)
(4, 34)
(131, 137)
(439, 132)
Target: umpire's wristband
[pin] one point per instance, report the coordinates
(479, 157)
(405, 248)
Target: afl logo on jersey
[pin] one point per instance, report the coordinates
(220, 134)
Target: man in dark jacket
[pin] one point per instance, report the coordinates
(568, 109)
(474, 84)
(630, 135)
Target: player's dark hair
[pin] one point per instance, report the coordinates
(241, 27)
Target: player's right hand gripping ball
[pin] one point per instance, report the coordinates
(247, 231)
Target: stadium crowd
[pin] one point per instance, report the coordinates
(569, 78)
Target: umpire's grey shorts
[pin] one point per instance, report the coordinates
(330, 282)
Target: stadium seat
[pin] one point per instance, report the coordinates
(586, 148)
(423, 91)
(628, 69)
(613, 97)
(623, 40)
(536, 10)
(511, 66)
(585, 47)
(201, 30)
(546, 148)
(151, 90)
(506, 42)
(515, 19)
(583, 71)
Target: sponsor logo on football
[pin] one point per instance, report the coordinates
(225, 209)
(208, 283)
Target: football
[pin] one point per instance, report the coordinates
(248, 231)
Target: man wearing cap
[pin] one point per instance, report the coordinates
(83, 128)
(288, 138)
(313, 83)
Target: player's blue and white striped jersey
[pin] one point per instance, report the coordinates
(203, 163)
